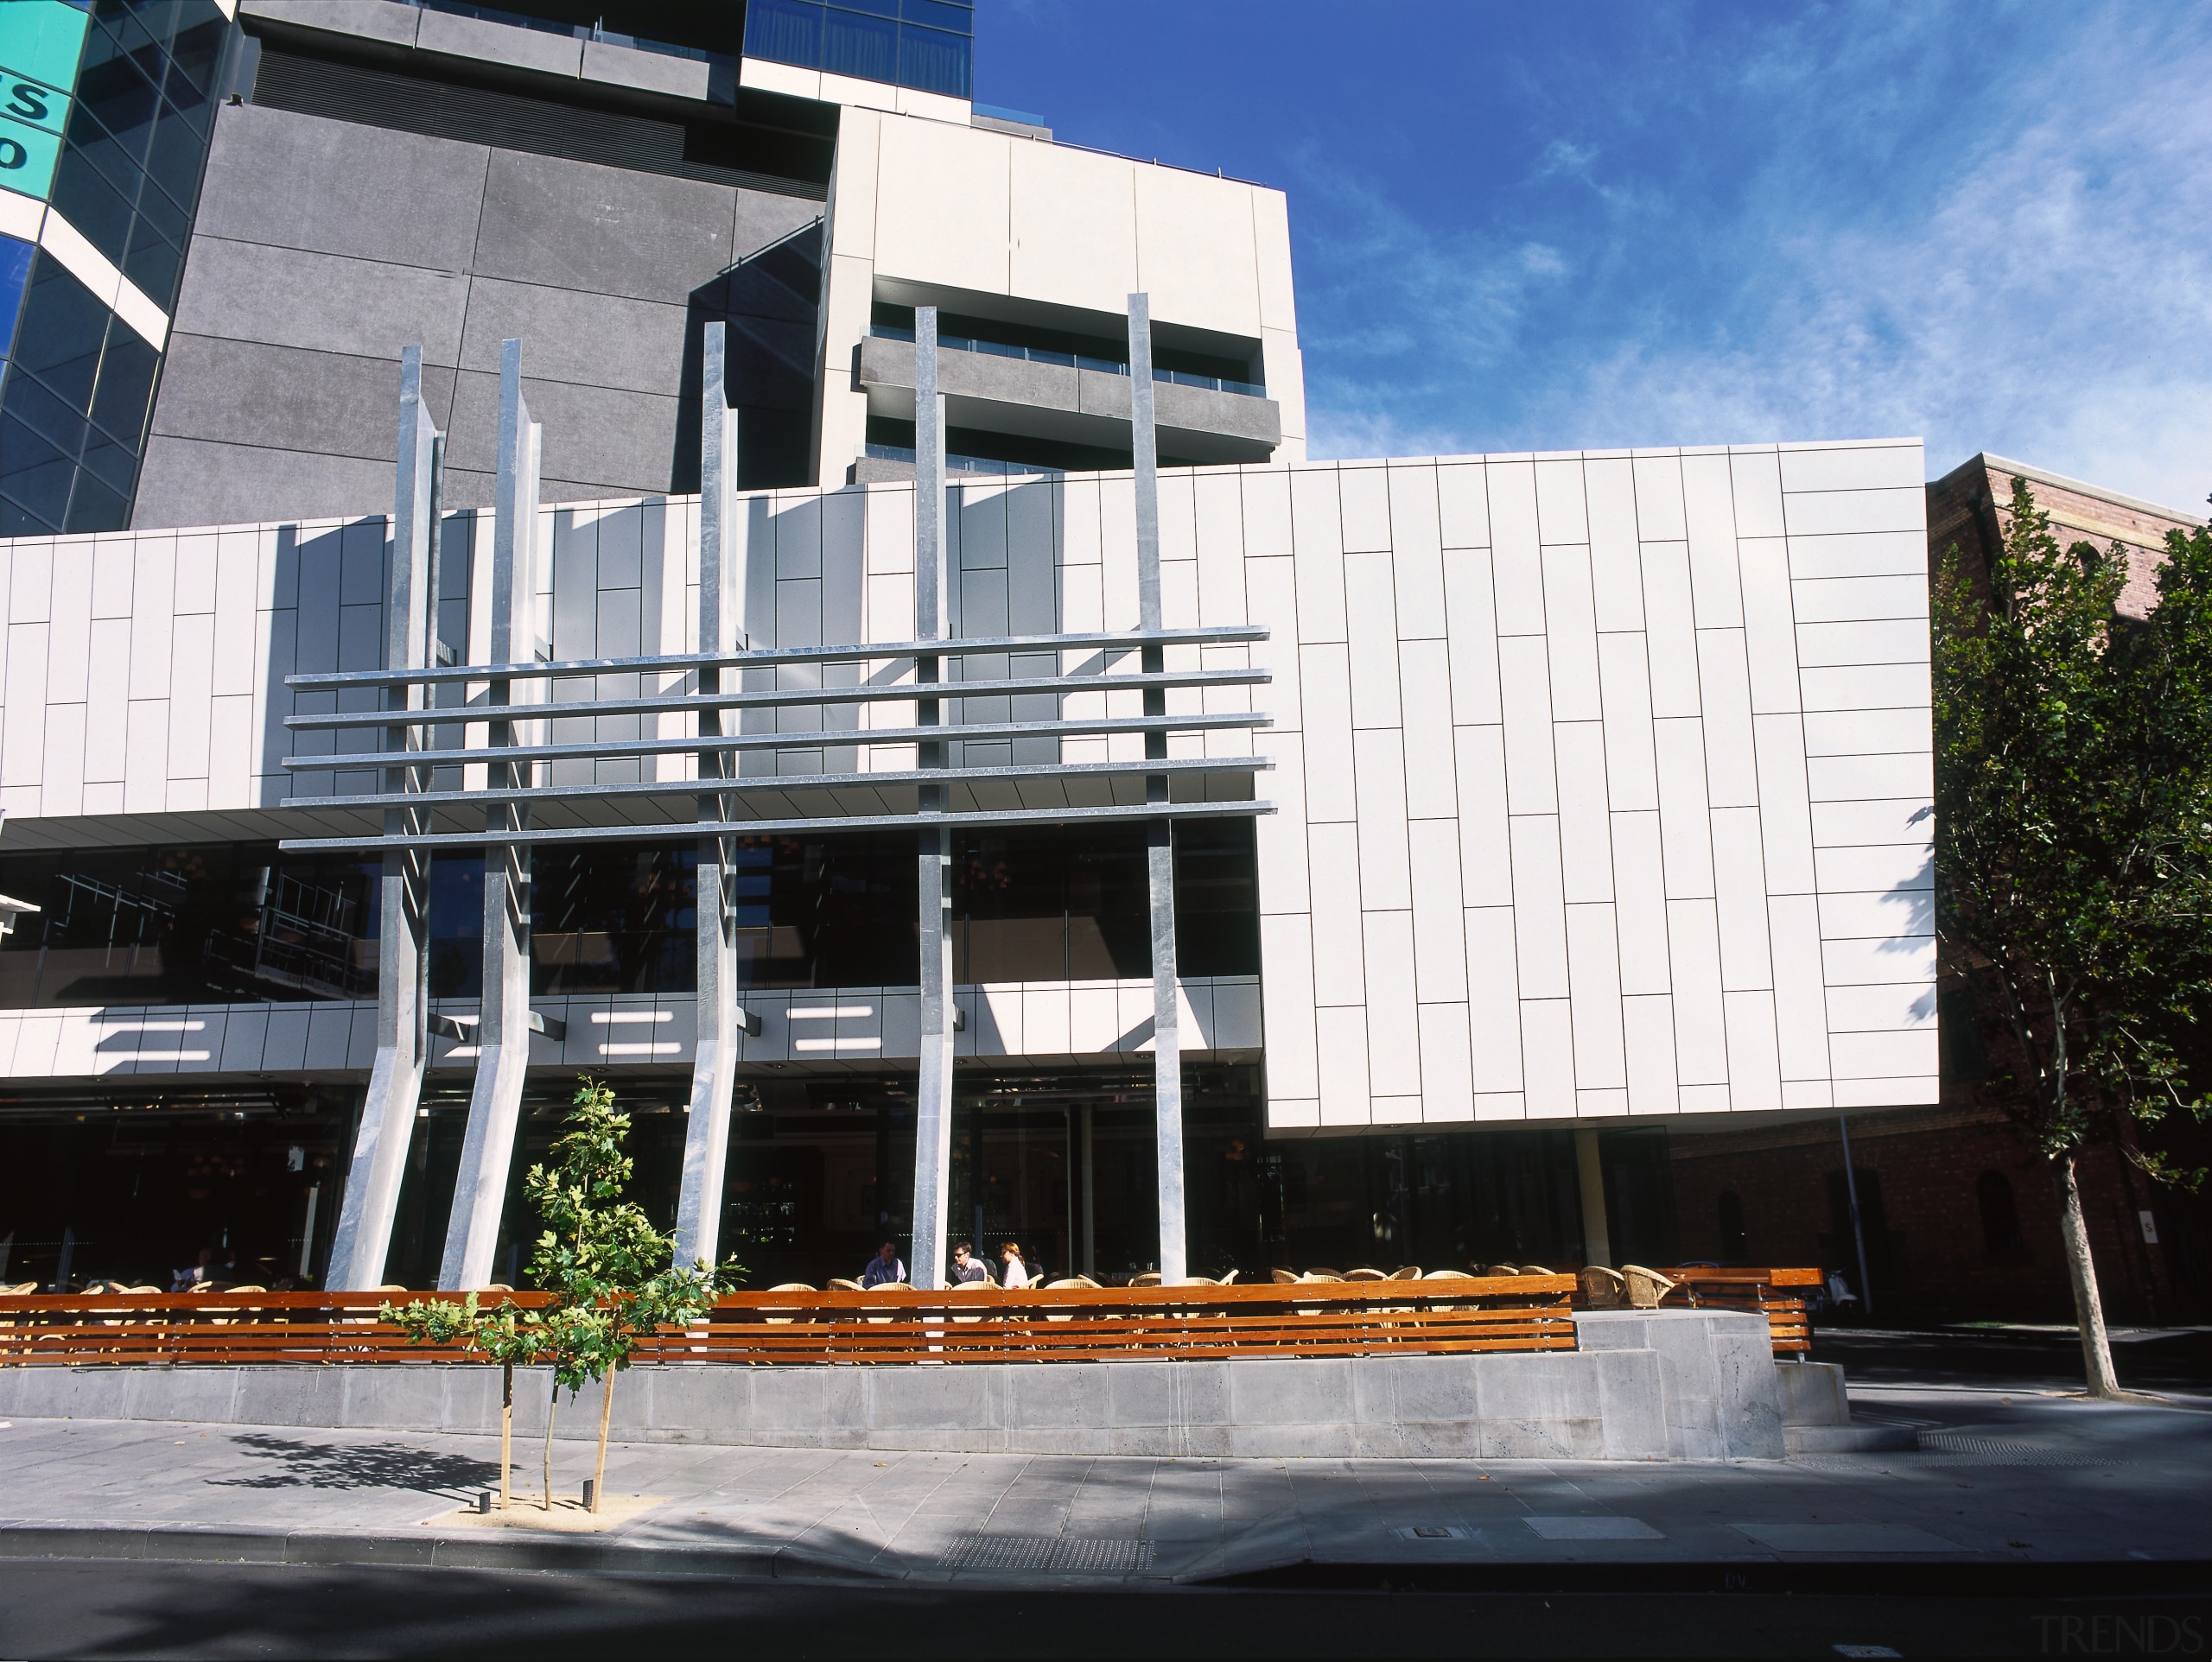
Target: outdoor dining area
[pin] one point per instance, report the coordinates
(1315, 1312)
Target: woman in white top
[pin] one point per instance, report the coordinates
(1017, 1273)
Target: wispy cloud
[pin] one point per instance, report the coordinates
(1835, 238)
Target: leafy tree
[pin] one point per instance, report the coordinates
(506, 1334)
(2074, 848)
(613, 1276)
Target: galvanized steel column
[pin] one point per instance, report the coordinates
(503, 1026)
(933, 1092)
(371, 1200)
(1159, 845)
(714, 1069)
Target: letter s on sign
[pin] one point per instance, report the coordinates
(27, 101)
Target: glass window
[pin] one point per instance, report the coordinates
(784, 31)
(92, 203)
(155, 264)
(114, 464)
(880, 8)
(613, 920)
(62, 331)
(34, 474)
(123, 101)
(20, 521)
(142, 926)
(136, 27)
(14, 273)
(1217, 898)
(931, 60)
(195, 51)
(866, 47)
(94, 507)
(825, 911)
(937, 15)
(178, 151)
(126, 381)
(456, 930)
(159, 210)
(44, 414)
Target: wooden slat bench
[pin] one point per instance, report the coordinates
(1751, 1289)
(786, 1328)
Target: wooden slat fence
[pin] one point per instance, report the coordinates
(783, 1328)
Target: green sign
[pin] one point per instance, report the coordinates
(40, 41)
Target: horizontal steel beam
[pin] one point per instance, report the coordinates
(859, 652)
(759, 784)
(683, 831)
(782, 698)
(354, 761)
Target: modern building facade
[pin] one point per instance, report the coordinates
(1957, 1205)
(1444, 833)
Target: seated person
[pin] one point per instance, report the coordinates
(884, 1266)
(966, 1266)
(1017, 1273)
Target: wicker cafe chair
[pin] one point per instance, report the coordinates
(1406, 1273)
(1603, 1289)
(838, 1283)
(1365, 1275)
(1534, 1269)
(1149, 1278)
(1321, 1275)
(1282, 1277)
(788, 1286)
(1645, 1287)
(223, 1315)
(1449, 1275)
(974, 1289)
(887, 1286)
(1228, 1278)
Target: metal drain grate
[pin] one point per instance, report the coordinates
(1963, 1449)
(1949, 1449)
(1070, 1555)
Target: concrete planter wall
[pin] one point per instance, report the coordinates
(1644, 1386)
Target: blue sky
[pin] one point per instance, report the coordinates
(1560, 226)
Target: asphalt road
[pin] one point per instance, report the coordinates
(102, 1608)
(2180, 1362)
(93, 1610)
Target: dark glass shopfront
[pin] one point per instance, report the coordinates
(129, 1185)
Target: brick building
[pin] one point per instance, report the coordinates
(1960, 1212)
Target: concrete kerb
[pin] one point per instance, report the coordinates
(476, 1549)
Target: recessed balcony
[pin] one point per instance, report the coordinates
(1066, 398)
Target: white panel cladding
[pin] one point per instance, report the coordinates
(1604, 782)
(1682, 813)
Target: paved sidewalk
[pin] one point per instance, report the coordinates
(2009, 1479)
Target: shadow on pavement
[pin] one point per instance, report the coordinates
(365, 1465)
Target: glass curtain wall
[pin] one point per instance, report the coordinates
(135, 116)
(928, 45)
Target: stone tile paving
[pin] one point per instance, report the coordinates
(2021, 1476)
